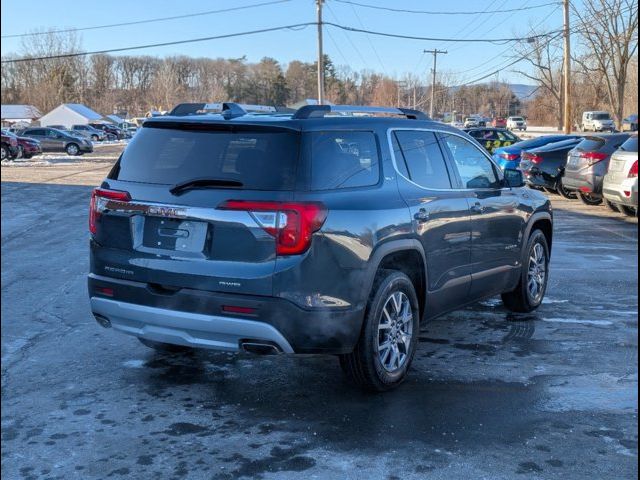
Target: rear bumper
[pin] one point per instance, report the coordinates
(588, 182)
(195, 318)
(538, 179)
(617, 192)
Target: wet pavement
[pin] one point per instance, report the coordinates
(491, 394)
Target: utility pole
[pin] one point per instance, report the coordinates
(320, 54)
(433, 82)
(567, 70)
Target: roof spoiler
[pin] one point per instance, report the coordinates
(311, 111)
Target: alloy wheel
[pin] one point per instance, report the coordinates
(537, 274)
(395, 329)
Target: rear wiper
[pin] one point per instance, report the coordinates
(204, 183)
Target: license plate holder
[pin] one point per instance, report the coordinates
(177, 235)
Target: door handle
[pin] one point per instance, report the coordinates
(477, 208)
(421, 216)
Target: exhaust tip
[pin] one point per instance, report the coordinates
(102, 320)
(260, 348)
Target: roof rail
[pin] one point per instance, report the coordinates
(226, 109)
(310, 111)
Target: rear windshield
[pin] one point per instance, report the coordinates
(260, 159)
(517, 119)
(630, 145)
(590, 144)
(601, 116)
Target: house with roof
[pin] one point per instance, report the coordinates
(115, 119)
(11, 114)
(69, 114)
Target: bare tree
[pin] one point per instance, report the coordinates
(609, 30)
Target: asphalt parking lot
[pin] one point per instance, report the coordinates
(491, 394)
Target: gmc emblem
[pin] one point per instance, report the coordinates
(167, 211)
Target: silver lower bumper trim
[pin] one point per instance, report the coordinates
(185, 328)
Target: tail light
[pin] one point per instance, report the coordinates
(633, 172)
(593, 157)
(292, 224)
(532, 157)
(99, 196)
(509, 157)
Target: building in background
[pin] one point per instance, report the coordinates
(19, 114)
(69, 114)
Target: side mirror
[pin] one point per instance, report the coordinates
(513, 178)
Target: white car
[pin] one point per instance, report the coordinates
(597, 121)
(516, 123)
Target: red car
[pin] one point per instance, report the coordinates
(9, 145)
(28, 147)
(499, 123)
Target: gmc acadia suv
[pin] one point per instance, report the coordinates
(336, 229)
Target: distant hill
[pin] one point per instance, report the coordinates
(520, 90)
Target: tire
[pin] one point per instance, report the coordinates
(4, 153)
(563, 192)
(20, 152)
(612, 206)
(629, 211)
(535, 269)
(72, 149)
(369, 367)
(551, 191)
(164, 347)
(94, 138)
(589, 199)
(27, 156)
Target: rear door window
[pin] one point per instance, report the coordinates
(258, 158)
(423, 160)
(343, 159)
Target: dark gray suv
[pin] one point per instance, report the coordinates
(334, 230)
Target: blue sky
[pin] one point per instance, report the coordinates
(391, 56)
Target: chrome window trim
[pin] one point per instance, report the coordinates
(435, 131)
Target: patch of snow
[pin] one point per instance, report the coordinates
(601, 323)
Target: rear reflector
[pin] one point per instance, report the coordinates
(98, 196)
(237, 309)
(509, 156)
(627, 193)
(585, 189)
(108, 292)
(292, 224)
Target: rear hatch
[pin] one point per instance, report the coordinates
(594, 150)
(622, 160)
(164, 214)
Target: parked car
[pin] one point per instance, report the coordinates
(28, 147)
(89, 132)
(471, 122)
(59, 127)
(509, 157)
(52, 140)
(492, 138)
(620, 185)
(499, 122)
(630, 124)
(112, 132)
(544, 166)
(8, 146)
(269, 235)
(588, 163)
(597, 122)
(457, 124)
(517, 123)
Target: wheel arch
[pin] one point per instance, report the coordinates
(407, 256)
(540, 221)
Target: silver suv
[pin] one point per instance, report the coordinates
(620, 187)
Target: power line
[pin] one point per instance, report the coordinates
(151, 20)
(369, 40)
(273, 29)
(432, 39)
(163, 44)
(427, 12)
